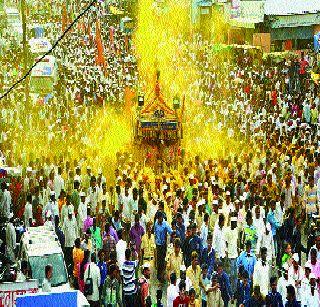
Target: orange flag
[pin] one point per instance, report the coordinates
(64, 17)
(100, 60)
(111, 29)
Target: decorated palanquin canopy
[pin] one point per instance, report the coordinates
(157, 121)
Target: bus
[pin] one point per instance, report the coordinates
(44, 77)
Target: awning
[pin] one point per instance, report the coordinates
(204, 3)
(291, 7)
(292, 33)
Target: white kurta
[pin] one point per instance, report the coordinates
(95, 275)
(70, 231)
(11, 241)
(27, 213)
(261, 277)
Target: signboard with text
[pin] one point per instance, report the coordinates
(11, 290)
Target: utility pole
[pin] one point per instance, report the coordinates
(25, 47)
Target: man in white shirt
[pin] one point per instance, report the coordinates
(232, 237)
(283, 282)
(261, 273)
(296, 273)
(5, 201)
(204, 232)
(46, 283)
(258, 222)
(172, 291)
(121, 247)
(266, 240)
(58, 182)
(93, 271)
(219, 240)
(69, 228)
(11, 239)
(28, 211)
(82, 210)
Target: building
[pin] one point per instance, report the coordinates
(275, 25)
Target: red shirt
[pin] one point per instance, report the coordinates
(179, 302)
(303, 66)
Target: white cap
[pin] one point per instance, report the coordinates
(183, 268)
(146, 265)
(52, 193)
(233, 219)
(82, 194)
(268, 226)
(308, 265)
(168, 180)
(182, 189)
(312, 276)
(295, 257)
(40, 178)
(285, 266)
(29, 169)
(191, 177)
(200, 184)
(220, 211)
(88, 167)
(206, 185)
(70, 211)
(228, 193)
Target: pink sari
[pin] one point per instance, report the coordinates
(81, 281)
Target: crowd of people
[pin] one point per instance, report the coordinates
(242, 228)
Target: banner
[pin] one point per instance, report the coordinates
(10, 291)
(63, 299)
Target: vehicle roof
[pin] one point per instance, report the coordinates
(39, 241)
(11, 11)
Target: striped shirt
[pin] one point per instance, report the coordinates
(128, 273)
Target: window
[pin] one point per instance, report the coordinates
(38, 264)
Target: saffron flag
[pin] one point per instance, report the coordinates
(100, 60)
(64, 18)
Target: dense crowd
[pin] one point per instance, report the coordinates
(242, 229)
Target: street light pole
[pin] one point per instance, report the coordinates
(25, 47)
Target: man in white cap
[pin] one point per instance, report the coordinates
(11, 239)
(69, 228)
(232, 240)
(58, 182)
(143, 285)
(172, 290)
(214, 215)
(50, 205)
(283, 282)
(262, 273)
(5, 201)
(266, 240)
(82, 210)
(310, 297)
(296, 273)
